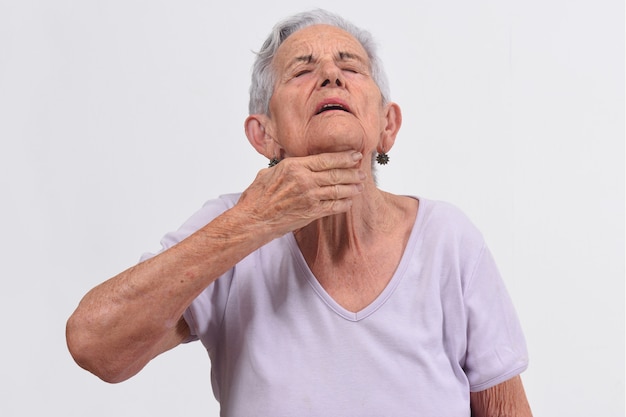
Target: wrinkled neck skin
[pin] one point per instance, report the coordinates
(376, 217)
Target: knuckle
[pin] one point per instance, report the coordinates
(335, 176)
(323, 163)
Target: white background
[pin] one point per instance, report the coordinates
(118, 119)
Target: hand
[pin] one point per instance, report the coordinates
(299, 190)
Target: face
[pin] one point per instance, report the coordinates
(324, 99)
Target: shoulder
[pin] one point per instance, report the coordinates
(222, 203)
(440, 218)
(209, 211)
(446, 239)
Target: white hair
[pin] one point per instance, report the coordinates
(264, 77)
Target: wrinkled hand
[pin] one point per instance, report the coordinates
(299, 190)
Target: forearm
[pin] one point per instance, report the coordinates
(122, 324)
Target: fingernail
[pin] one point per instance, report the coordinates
(362, 175)
(356, 156)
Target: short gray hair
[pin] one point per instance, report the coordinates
(264, 77)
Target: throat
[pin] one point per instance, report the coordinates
(355, 255)
(353, 270)
(355, 281)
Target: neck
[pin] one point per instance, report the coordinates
(352, 233)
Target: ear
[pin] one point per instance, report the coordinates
(393, 121)
(258, 137)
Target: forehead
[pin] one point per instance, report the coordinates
(318, 40)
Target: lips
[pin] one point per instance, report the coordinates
(332, 105)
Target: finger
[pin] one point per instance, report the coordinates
(338, 192)
(330, 207)
(339, 176)
(326, 161)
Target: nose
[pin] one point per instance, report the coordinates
(331, 76)
(326, 82)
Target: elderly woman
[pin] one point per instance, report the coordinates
(314, 292)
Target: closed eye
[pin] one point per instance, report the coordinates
(352, 70)
(301, 73)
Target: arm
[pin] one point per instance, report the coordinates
(122, 324)
(507, 399)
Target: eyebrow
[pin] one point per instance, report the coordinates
(346, 56)
(341, 56)
(303, 58)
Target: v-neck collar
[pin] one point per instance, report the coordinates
(383, 296)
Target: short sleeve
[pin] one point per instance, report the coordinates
(209, 211)
(496, 348)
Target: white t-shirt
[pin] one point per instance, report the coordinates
(281, 346)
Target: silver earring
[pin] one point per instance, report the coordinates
(382, 158)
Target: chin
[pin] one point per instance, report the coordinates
(333, 147)
(336, 139)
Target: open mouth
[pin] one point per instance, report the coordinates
(331, 107)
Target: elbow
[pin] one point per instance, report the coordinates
(89, 354)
